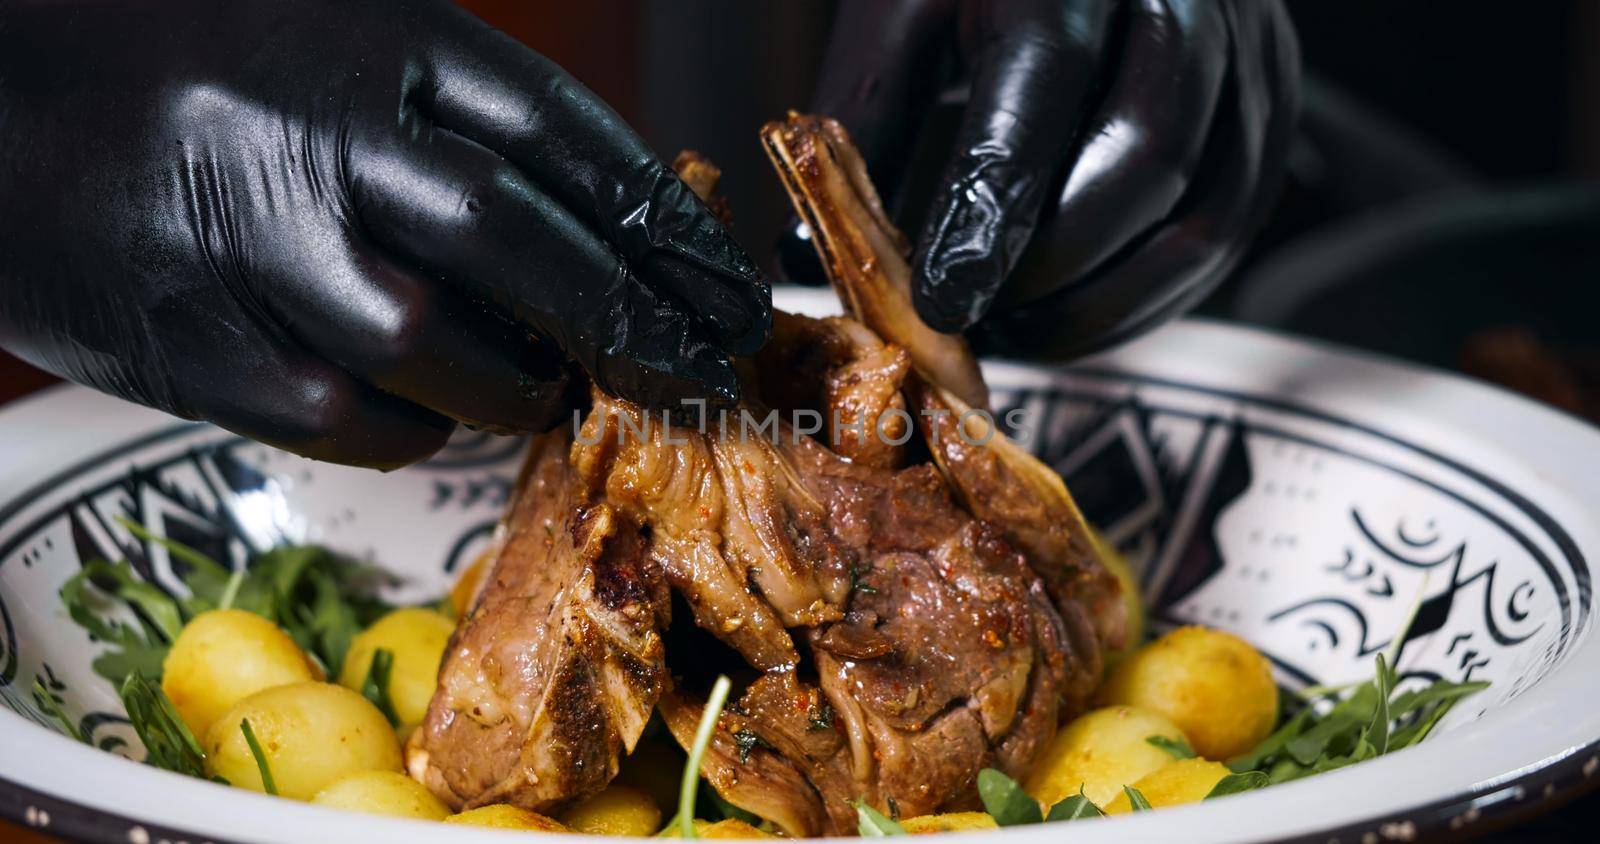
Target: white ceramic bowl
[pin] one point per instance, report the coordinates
(1302, 497)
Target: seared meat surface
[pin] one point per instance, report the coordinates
(560, 662)
(905, 607)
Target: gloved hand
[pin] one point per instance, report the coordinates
(337, 227)
(1113, 159)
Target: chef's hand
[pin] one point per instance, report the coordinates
(1113, 159)
(339, 228)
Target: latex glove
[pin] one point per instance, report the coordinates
(1112, 161)
(338, 226)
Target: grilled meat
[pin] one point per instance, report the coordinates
(899, 623)
(558, 666)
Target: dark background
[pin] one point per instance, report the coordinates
(1444, 178)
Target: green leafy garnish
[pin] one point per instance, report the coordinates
(1136, 799)
(1237, 783)
(1005, 801)
(51, 708)
(819, 717)
(101, 588)
(697, 751)
(320, 599)
(167, 741)
(747, 740)
(871, 823)
(260, 756)
(1178, 747)
(1076, 807)
(375, 687)
(1340, 726)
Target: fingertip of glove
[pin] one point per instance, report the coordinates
(758, 326)
(943, 296)
(701, 373)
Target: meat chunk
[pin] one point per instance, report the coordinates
(560, 662)
(862, 252)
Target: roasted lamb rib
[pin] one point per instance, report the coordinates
(898, 622)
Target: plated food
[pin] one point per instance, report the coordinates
(918, 622)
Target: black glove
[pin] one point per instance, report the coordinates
(337, 226)
(1113, 159)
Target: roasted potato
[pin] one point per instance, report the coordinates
(466, 586)
(417, 639)
(224, 656)
(382, 793)
(671, 830)
(619, 810)
(948, 822)
(1184, 781)
(730, 828)
(310, 733)
(655, 767)
(1213, 685)
(505, 816)
(1100, 752)
(1132, 600)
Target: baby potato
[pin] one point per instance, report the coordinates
(506, 816)
(310, 733)
(672, 831)
(1183, 781)
(655, 767)
(1132, 601)
(417, 639)
(948, 822)
(730, 828)
(466, 586)
(224, 656)
(619, 810)
(1100, 752)
(381, 793)
(1213, 685)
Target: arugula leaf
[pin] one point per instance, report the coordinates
(1337, 728)
(1369, 721)
(819, 716)
(871, 823)
(1005, 801)
(375, 687)
(1178, 747)
(697, 751)
(1135, 799)
(140, 646)
(154, 607)
(1377, 732)
(747, 740)
(260, 756)
(1437, 692)
(1237, 783)
(1076, 807)
(1273, 745)
(1407, 736)
(51, 708)
(201, 567)
(167, 741)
